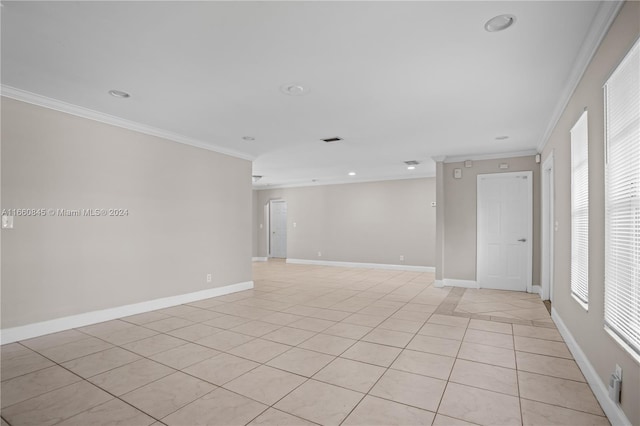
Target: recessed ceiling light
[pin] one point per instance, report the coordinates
(119, 94)
(411, 167)
(501, 138)
(352, 173)
(294, 90)
(248, 138)
(499, 23)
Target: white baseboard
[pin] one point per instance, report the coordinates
(363, 265)
(611, 409)
(259, 259)
(23, 332)
(438, 283)
(536, 289)
(451, 282)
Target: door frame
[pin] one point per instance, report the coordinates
(528, 174)
(268, 221)
(547, 228)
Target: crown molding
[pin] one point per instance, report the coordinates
(479, 157)
(342, 181)
(78, 111)
(605, 16)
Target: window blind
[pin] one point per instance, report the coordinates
(622, 201)
(580, 210)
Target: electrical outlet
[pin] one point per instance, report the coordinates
(401, 258)
(208, 278)
(615, 385)
(433, 204)
(319, 254)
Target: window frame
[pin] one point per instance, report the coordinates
(579, 264)
(631, 343)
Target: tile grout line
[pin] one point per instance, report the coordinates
(403, 302)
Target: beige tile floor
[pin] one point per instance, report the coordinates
(309, 345)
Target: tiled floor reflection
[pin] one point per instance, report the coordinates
(309, 345)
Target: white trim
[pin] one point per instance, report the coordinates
(583, 305)
(547, 228)
(15, 334)
(258, 259)
(612, 410)
(54, 104)
(607, 12)
(438, 283)
(478, 157)
(451, 282)
(363, 265)
(265, 186)
(536, 289)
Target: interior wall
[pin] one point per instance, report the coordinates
(459, 218)
(587, 326)
(371, 222)
(189, 214)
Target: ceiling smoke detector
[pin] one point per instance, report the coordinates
(256, 178)
(329, 140)
(499, 23)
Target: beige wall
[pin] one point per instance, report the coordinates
(587, 327)
(372, 222)
(189, 215)
(459, 218)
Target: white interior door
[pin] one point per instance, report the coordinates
(504, 230)
(278, 228)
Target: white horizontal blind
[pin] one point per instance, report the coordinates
(580, 210)
(622, 201)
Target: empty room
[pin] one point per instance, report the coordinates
(320, 213)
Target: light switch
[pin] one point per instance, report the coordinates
(295, 224)
(7, 222)
(457, 173)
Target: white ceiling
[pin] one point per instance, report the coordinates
(397, 80)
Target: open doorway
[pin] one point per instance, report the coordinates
(277, 229)
(548, 229)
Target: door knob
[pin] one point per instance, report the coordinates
(522, 240)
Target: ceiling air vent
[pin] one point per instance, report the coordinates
(256, 178)
(411, 163)
(329, 140)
